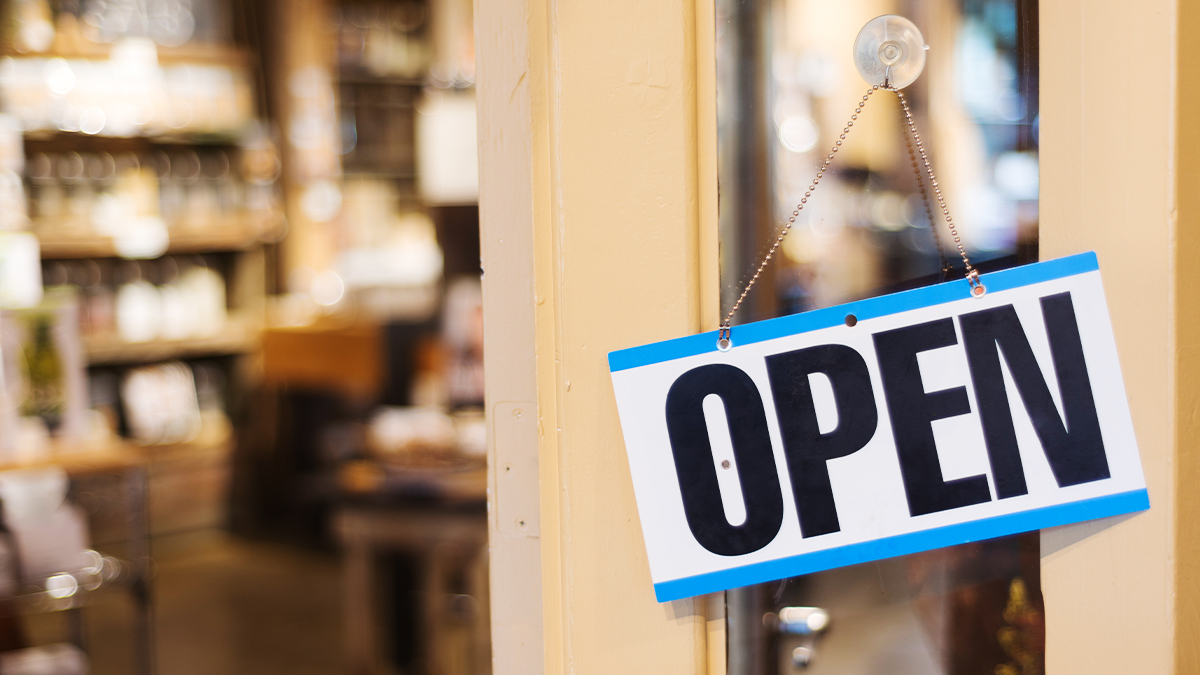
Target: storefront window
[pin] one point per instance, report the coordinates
(786, 87)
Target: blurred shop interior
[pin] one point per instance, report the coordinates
(241, 423)
(787, 86)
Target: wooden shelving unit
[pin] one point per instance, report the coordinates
(187, 482)
(130, 490)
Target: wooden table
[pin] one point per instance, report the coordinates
(445, 530)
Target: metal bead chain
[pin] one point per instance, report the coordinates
(944, 266)
(724, 330)
(977, 288)
(972, 274)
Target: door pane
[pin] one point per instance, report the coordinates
(786, 87)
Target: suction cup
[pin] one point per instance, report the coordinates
(889, 47)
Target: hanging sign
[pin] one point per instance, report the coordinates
(878, 428)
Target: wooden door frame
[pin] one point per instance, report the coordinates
(598, 187)
(598, 208)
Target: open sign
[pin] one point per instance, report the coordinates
(878, 428)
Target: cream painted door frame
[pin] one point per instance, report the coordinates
(598, 208)
(598, 214)
(1117, 598)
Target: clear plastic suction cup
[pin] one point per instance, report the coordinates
(889, 48)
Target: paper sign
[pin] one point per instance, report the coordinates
(878, 428)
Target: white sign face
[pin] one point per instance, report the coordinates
(936, 419)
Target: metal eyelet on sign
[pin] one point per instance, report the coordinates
(724, 337)
(978, 290)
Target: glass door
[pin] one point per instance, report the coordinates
(786, 84)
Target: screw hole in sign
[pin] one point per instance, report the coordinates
(851, 320)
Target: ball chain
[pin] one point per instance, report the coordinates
(723, 334)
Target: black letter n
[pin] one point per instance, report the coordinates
(1072, 445)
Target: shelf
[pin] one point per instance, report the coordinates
(77, 140)
(207, 54)
(365, 77)
(82, 457)
(237, 237)
(383, 174)
(237, 337)
(462, 480)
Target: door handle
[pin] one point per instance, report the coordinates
(806, 622)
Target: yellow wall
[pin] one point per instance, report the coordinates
(1187, 340)
(1108, 176)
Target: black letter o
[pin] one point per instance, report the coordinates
(696, 468)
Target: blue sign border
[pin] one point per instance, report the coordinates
(870, 308)
(913, 542)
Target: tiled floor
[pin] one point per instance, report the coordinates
(225, 606)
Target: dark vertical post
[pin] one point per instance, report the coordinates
(1027, 71)
(746, 220)
(743, 78)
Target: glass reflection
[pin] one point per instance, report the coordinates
(786, 86)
